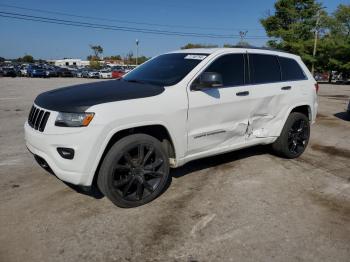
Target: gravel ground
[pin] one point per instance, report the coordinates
(242, 206)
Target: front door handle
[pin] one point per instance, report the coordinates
(243, 93)
(286, 88)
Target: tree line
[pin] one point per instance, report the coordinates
(296, 23)
(293, 27)
(129, 58)
(24, 59)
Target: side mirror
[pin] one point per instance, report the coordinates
(208, 80)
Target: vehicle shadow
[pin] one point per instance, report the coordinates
(93, 191)
(213, 161)
(343, 116)
(217, 160)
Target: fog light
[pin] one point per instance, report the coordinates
(67, 153)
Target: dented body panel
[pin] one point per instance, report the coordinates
(220, 121)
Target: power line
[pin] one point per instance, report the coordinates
(100, 26)
(126, 21)
(115, 28)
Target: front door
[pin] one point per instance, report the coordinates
(218, 116)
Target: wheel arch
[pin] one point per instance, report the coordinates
(303, 108)
(158, 131)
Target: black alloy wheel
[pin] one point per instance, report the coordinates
(298, 136)
(135, 171)
(138, 172)
(294, 137)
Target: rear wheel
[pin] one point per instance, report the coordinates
(294, 136)
(135, 171)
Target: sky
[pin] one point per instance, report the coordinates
(53, 41)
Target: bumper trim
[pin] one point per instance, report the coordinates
(42, 162)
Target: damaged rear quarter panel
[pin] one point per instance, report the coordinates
(273, 105)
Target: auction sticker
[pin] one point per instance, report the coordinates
(196, 57)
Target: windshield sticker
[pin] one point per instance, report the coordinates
(196, 57)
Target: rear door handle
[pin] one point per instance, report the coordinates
(243, 93)
(286, 88)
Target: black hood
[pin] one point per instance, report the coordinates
(78, 98)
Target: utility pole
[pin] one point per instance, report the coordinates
(318, 17)
(242, 35)
(137, 51)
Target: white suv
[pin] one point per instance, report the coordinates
(124, 135)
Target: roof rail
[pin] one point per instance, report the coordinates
(259, 48)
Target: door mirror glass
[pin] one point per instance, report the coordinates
(208, 80)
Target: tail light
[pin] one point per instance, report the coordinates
(317, 87)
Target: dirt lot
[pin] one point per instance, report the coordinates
(243, 206)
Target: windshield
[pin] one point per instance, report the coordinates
(167, 69)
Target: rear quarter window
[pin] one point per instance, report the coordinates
(291, 70)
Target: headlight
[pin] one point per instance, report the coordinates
(74, 119)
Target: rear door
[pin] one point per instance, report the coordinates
(268, 94)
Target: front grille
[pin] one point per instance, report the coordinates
(38, 118)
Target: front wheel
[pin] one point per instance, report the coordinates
(135, 171)
(294, 136)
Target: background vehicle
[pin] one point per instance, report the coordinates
(173, 109)
(117, 73)
(85, 73)
(23, 70)
(9, 71)
(51, 72)
(78, 73)
(64, 72)
(93, 74)
(35, 71)
(105, 73)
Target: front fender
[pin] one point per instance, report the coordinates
(108, 133)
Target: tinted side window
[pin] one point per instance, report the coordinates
(291, 69)
(231, 68)
(264, 69)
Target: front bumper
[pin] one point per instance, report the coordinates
(79, 170)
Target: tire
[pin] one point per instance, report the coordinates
(294, 137)
(131, 176)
